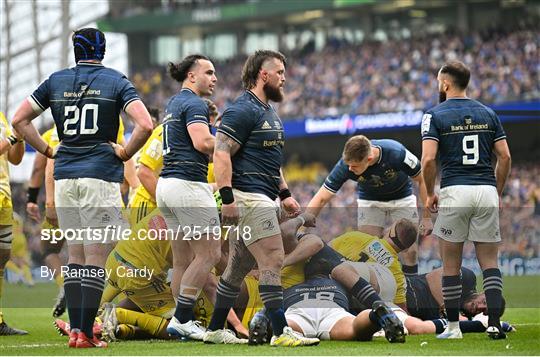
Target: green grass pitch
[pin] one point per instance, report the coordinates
(24, 308)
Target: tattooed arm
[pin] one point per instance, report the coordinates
(225, 148)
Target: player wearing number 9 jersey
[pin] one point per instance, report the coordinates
(85, 102)
(465, 133)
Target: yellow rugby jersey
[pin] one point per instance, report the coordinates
(152, 157)
(203, 309)
(292, 275)
(5, 131)
(145, 248)
(51, 137)
(361, 247)
(211, 178)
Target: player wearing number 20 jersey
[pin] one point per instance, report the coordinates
(85, 103)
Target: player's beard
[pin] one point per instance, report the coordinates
(442, 96)
(273, 93)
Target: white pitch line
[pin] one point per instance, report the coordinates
(34, 345)
(528, 324)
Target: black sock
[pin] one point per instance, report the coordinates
(72, 289)
(440, 325)
(451, 288)
(493, 286)
(184, 309)
(409, 270)
(272, 297)
(92, 283)
(471, 326)
(225, 298)
(365, 293)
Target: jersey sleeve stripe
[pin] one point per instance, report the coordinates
(430, 138)
(230, 136)
(197, 121)
(499, 138)
(328, 188)
(129, 102)
(36, 105)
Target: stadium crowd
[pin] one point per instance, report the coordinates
(374, 77)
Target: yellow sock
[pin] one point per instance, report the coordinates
(59, 280)
(151, 324)
(125, 332)
(27, 274)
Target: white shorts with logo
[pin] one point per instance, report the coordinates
(468, 213)
(188, 207)
(258, 216)
(319, 321)
(88, 203)
(376, 213)
(385, 278)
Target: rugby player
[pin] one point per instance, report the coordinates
(383, 169)
(183, 194)
(470, 189)
(247, 166)
(11, 150)
(86, 101)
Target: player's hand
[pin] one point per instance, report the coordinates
(500, 203)
(32, 209)
(309, 218)
(50, 215)
(291, 207)
(426, 226)
(432, 203)
(120, 151)
(230, 214)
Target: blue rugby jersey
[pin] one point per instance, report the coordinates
(466, 131)
(386, 180)
(259, 131)
(85, 103)
(315, 291)
(180, 158)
